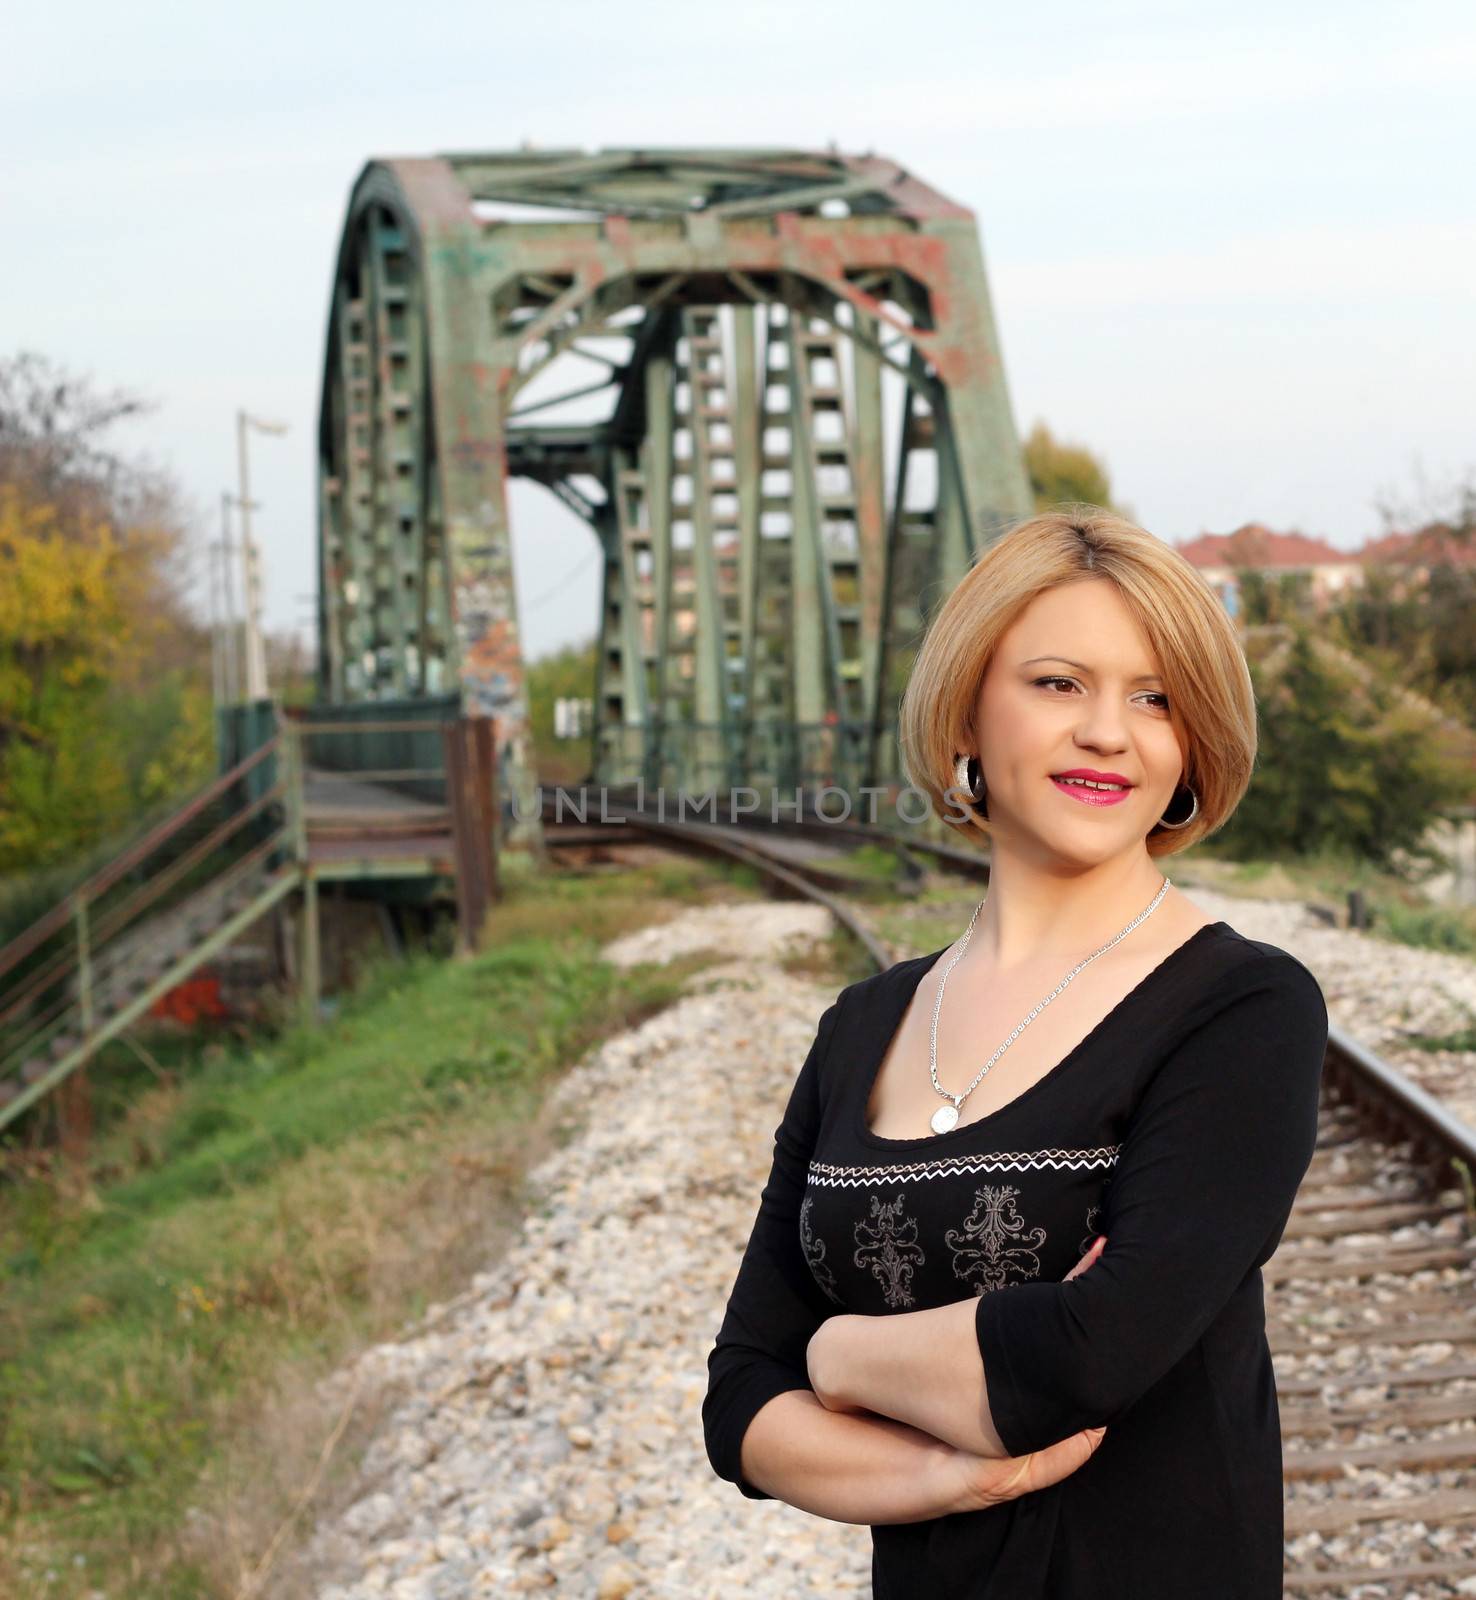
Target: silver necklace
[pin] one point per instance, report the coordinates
(946, 1116)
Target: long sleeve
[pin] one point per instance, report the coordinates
(775, 1305)
(1212, 1158)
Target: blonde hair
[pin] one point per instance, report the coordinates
(1212, 703)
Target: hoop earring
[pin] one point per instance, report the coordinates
(1163, 821)
(968, 775)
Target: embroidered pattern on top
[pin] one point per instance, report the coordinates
(814, 1250)
(829, 1174)
(887, 1246)
(993, 1243)
(1090, 1236)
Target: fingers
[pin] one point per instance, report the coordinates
(1066, 1456)
(1099, 1244)
(1041, 1468)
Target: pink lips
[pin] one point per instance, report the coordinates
(1092, 797)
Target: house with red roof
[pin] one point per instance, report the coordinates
(1327, 571)
(1436, 545)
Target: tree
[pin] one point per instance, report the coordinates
(104, 689)
(1451, 598)
(564, 674)
(1425, 624)
(61, 631)
(1064, 472)
(1342, 766)
(1267, 597)
(1436, 511)
(1382, 613)
(55, 447)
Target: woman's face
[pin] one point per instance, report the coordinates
(1074, 685)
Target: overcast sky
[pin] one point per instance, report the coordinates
(1232, 256)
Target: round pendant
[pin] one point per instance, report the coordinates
(943, 1119)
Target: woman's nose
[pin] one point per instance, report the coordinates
(1104, 726)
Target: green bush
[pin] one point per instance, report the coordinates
(1342, 769)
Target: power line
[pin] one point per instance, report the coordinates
(563, 582)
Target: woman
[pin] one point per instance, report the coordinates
(1002, 1300)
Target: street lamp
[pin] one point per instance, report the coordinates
(228, 642)
(256, 679)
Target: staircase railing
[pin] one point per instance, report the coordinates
(88, 968)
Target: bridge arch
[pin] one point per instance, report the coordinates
(780, 350)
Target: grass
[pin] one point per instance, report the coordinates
(872, 868)
(1451, 928)
(251, 1217)
(1462, 1039)
(1396, 909)
(933, 918)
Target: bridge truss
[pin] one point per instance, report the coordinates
(768, 380)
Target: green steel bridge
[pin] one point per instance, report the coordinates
(768, 380)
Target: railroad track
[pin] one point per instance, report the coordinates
(1371, 1317)
(1370, 1297)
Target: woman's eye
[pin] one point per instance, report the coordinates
(1162, 699)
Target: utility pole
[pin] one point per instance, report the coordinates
(230, 651)
(213, 556)
(256, 678)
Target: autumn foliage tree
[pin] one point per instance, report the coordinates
(62, 625)
(104, 685)
(1064, 472)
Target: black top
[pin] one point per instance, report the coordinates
(1180, 1127)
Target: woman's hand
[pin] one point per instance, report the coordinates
(1098, 1245)
(983, 1481)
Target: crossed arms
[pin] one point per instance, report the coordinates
(915, 1414)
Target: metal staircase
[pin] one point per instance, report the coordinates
(88, 969)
